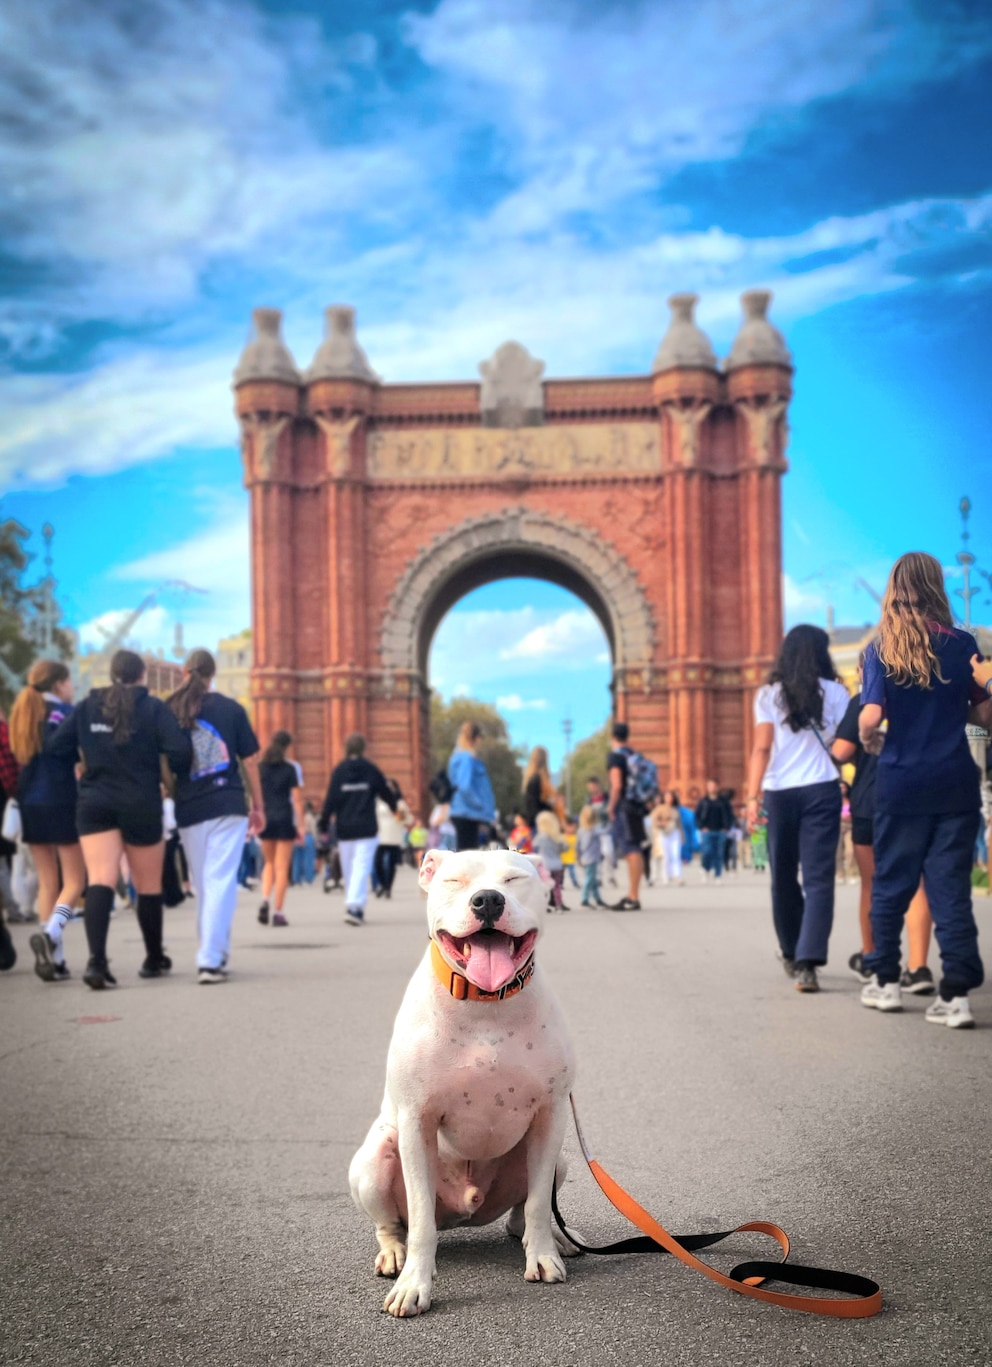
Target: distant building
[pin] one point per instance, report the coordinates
(234, 659)
(847, 643)
(91, 669)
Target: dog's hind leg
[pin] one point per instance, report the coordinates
(377, 1189)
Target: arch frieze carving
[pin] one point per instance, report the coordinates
(582, 552)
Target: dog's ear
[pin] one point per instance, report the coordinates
(429, 866)
(542, 868)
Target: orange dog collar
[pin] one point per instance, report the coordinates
(464, 991)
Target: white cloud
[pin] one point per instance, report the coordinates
(203, 582)
(513, 702)
(801, 603)
(97, 632)
(576, 635)
(605, 101)
(562, 298)
(149, 141)
(126, 412)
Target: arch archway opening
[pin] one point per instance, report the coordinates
(515, 563)
(528, 658)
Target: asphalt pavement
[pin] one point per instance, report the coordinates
(174, 1157)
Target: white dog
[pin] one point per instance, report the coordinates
(477, 1080)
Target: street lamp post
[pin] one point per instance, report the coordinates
(965, 559)
(566, 726)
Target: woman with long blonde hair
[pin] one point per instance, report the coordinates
(46, 794)
(918, 677)
(540, 793)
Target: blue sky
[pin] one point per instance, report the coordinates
(464, 172)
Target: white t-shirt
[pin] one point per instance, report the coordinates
(798, 757)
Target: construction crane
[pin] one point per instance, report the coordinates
(115, 638)
(860, 583)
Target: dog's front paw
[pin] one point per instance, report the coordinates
(411, 1294)
(390, 1260)
(544, 1267)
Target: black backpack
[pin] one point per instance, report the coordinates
(441, 787)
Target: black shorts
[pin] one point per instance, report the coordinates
(279, 830)
(862, 830)
(48, 825)
(137, 825)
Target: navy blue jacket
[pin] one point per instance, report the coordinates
(49, 780)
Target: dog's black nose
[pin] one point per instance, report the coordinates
(488, 906)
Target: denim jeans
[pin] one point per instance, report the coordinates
(590, 884)
(803, 830)
(713, 845)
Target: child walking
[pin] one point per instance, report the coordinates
(589, 852)
(549, 843)
(666, 839)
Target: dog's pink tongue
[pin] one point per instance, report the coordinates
(490, 963)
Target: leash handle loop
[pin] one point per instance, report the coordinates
(746, 1278)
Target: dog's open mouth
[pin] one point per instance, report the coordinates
(488, 958)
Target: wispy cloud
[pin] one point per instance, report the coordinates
(574, 635)
(98, 631)
(148, 402)
(513, 702)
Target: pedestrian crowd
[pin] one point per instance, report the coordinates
(158, 800)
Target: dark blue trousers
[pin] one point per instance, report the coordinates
(803, 831)
(942, 850)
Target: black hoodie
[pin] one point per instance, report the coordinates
(127, 774)
(351, 794)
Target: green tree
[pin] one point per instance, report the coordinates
(499, 756)
(20, 611)
(589, 761)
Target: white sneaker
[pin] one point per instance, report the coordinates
(882, 998)
(955, 1013)
(206, 976)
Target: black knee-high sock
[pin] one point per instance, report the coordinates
(96, 918)
(150, 921)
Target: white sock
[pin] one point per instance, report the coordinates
(57, 922)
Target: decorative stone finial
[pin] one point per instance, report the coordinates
(339, 357)
(685, 343)
(512, 393)
(267, 357)
(758, 342)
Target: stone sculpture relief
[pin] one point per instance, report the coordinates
(337, 444)
(512, 392)
(764, 418)
(615, 448)
(260, 434)
(686, 418)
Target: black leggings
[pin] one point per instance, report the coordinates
(386, 859)
(466, 832)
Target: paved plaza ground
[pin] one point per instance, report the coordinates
(174, 1157)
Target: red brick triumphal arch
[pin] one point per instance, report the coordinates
(375, 507)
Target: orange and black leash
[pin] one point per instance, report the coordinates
(861, 1296)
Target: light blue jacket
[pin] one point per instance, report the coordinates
(473, 797)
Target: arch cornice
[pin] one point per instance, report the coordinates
(574, 555)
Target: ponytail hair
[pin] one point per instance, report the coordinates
(27, 716)
(200, 668)
(278, 745)
(117, 701)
